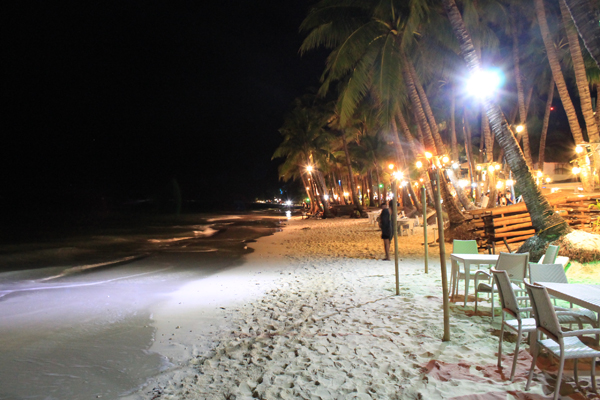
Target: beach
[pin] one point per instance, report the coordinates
(244, 307)
(313, 314)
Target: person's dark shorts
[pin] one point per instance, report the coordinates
(386, 236)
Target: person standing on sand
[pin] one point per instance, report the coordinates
(385, 224)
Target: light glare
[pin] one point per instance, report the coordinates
(484, 83)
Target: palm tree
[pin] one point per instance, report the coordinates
(561, 87)
(305, 141)
(547, 223)
(586, 20)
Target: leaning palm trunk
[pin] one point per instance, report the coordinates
(547, 223)
(455, 216)
(561, 86)
(586, 22)
(545, 125)
(462, 197)
(437, 138)
(412, 142)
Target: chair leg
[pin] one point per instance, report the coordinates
(500, 344)
(492, 294)
(514, 365)
(594, 386)
(575, 374)
(533, 361)
(476, 298)
(561, 367)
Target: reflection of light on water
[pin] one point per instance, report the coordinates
(288, 214)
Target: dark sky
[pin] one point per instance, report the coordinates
(116, 98)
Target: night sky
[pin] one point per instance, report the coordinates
(115, 99)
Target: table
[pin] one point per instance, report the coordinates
(467, 260)
(586, 296)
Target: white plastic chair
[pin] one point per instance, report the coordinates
(550, 256)
(556, 273)
(563, 345)
(510, 306)
(457, 273)
(513, 263)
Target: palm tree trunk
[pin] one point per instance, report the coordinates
(320, 180)
(455, 216)
(520, 94)
(487, 137)
(317, 204)
(470, 157)
(308, 193)
(586, 21)
(351, 177)
(545, 125)
(453, 141)
(585, 97)
(417, 149)
(583, 87)
(597, 100)
(379, 200)
(462, 197)
(561, 86)
(418, 111)
(413, 197)
(370, 192)
(437, 138)
(546, 222)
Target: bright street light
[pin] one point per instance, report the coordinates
(484, 82)
(419, 164)
(520, 128)
(309, 168)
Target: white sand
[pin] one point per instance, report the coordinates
(313, 314)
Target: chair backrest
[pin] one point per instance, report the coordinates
(547, 273)
(543, 311)
(551, 254)
(507, 294)
(515, 264)
(465, 247)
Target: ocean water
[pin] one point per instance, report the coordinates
(47, 254)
